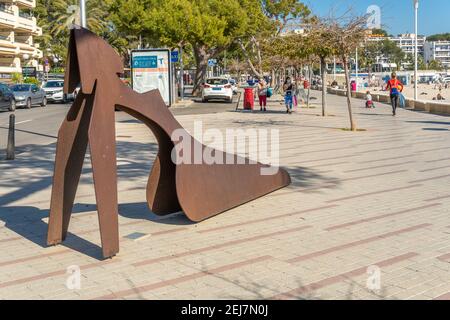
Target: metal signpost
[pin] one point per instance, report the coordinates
(181, 74)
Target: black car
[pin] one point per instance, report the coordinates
(7, 100)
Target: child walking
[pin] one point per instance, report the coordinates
(288, 89)
(369, 101)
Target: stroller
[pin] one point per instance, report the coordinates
(370, 104)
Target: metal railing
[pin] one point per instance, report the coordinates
(7, 65)
(4, 8)
(25, 15)
(21, 41)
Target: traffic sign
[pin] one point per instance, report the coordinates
(212, 62)
(29, 71)
(174, 56)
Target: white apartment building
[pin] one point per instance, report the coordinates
(439, 51)
(407, 43)
(17, 29)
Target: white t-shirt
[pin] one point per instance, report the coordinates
(368, 97)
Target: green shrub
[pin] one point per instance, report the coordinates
(16, 77)
(31, 80)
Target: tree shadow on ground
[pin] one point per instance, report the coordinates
(139, 211)
(374, 114)
(429, 122)
(257, 111)
(304, 177)
(263, 123)
(304, 290)
(26, 221)
(30, 175)
(435, 129)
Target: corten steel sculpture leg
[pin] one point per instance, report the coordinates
(200, 190)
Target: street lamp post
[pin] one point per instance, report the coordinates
(334, 68)
(181, 73)
(83, 13)
(416, 8)
(356, 69)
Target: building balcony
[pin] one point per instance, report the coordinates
(8, 47)
(6, 42)
(7, 17)
(15, 19)
(37, 32)
(9, 68)
(19, 48)
(26, 23)
(29, 4)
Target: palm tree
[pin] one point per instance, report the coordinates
(67, 13)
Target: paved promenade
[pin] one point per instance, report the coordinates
(361, 205)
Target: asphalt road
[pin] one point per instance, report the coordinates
(38, 126)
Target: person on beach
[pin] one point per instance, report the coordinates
(288, 89)
(262, 94)
(395, 88)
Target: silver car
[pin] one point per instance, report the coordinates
(28, 95)
(54, 91)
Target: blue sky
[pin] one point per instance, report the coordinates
(397, 16)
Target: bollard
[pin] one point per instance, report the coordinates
(10, 149)
(239, 100)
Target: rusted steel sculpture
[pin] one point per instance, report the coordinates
(200, 190)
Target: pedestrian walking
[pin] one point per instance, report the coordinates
(288, 89)
(395, 88)
(262, 94)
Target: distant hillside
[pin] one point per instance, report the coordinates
(439, 37)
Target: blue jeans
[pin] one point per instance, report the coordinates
(288, 101)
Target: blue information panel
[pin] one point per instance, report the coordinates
(147, 62)
(150, 70)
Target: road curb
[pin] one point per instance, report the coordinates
(182, 104)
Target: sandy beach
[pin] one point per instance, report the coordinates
(426, 92)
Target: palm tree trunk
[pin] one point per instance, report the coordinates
(349, 94)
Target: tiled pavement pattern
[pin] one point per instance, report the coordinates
(374, 198)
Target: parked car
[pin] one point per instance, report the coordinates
(217, 88)
(27, 95)
(7, 100)
(54, 91)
